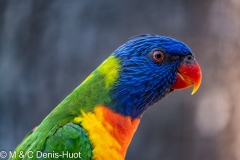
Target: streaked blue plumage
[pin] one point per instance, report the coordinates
(138, 87)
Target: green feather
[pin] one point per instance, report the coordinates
(57, 131)
(70, 138)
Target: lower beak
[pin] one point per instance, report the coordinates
(188, 75)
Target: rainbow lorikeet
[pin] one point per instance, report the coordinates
(98, 119)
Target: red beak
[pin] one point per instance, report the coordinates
(188, 75)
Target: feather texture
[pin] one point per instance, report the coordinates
(99, 118)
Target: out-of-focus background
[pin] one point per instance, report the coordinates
(47, 48)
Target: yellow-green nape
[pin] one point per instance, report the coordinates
(109, 69)
(88, 78)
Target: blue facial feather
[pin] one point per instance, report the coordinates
(142, 81)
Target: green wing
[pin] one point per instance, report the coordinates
(68, 142)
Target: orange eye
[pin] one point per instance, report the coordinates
(158, 56)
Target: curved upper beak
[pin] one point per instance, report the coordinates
(189, 74)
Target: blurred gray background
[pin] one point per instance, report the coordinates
(47, 48)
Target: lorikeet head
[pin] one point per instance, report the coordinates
(151, 67)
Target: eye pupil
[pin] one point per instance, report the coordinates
(158, 56)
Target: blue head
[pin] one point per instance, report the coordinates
(149, 66)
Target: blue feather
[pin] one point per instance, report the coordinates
(142, 81)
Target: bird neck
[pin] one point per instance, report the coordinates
(112, 85)
(109, 132)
